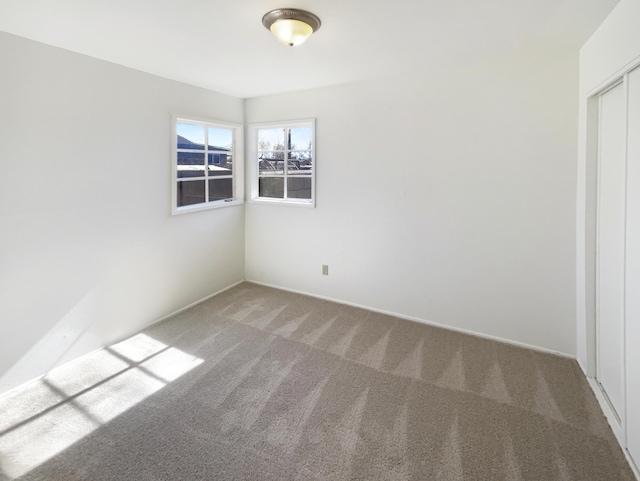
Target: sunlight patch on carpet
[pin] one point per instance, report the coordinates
(71, 402)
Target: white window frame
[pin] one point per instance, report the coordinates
(254, 168)
(238, 164)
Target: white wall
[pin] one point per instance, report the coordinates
(89, 252)
(606, 55)
(447, 197)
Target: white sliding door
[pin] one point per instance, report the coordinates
(633, 266)
(611, 247)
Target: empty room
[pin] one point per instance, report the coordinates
(328, 240)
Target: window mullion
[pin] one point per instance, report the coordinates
(286, 163)
(206, 165)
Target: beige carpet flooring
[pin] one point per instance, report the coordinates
(261, 384)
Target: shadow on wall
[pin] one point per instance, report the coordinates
(128, 290)
(53, 347)
(47, 416)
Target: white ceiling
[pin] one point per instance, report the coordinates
(222, 45)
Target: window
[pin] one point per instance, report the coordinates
(207, 165)
(283, 163)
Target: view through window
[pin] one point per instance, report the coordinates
(283, 162)
(206, 164)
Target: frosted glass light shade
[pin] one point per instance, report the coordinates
(291, 26)
(291, 32)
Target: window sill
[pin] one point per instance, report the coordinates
(212, 205)
(309, 204)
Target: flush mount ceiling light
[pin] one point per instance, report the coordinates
(291, 26)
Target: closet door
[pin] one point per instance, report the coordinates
(633, 266)
(611, 247)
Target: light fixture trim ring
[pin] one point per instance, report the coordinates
(273, 16)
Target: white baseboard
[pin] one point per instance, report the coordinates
(421, 321)
(612, 419)
(193, 304)
(634, 467)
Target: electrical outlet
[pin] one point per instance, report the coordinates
(325, 270)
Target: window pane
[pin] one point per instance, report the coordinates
(300, 138)
(306, 164)
(271, 167)
(220, 139)
(272, 187)
(220, 189)
(220, 163)
(301, 155)
(190, 164)
(271, 139)
(190, 192)
(300, 162)
(190, 136)
(299, 187)
(293, 167)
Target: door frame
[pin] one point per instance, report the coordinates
(618, 416)
(590, 205)
(591, 250)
